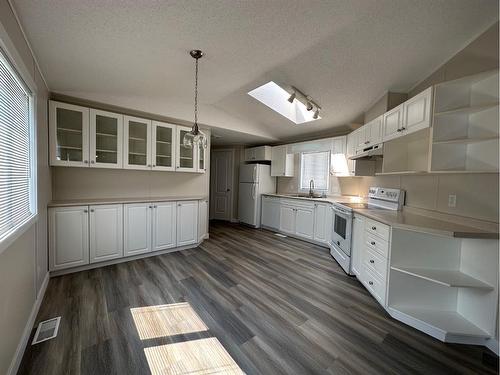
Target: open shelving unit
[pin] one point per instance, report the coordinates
(444, 286)
(408, 154)
(465, 134)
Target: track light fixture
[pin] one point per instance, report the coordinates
(308, 100)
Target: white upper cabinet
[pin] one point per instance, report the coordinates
(69, 135)
(392, 123)
(106, 139)
(69, 237)
(185, 155)
(163, 146)
(201, 158)
(281, 162)
(137, 145)
(375, 131)
(362, 134)
(106, 232)
(417, 112)
(261, 153)
(187, 223)
(137, 228)
(164, 225)
(322, 222)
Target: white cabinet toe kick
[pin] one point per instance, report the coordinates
(89, 236)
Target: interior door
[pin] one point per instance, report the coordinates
(164, 225)
(106, 232)
(137, 227)
(221, 200)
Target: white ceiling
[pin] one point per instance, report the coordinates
(345, 54)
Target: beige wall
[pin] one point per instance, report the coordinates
(23, 266)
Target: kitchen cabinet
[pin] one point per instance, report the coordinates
(68, 237)
(106, 232)
(137, 145)
(164, 225)
(185, 156)
(357, 245)
(282, 163)
(392, 123)
(322, 222)
(270, 212)
(163, 146)
(69, 135)
(287, 219)
(417, 112)
(187, 223)
(137, 228)
(261, 153)
(202, 220)
(106, 139)
(304, 222)
(369, 134)
(201, 158)
(352, 142)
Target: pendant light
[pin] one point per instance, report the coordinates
(195, 137)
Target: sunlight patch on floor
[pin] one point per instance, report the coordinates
(166, 320)
(203, 356)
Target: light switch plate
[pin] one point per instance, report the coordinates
(452, 200)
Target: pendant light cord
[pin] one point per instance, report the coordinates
(196, 96)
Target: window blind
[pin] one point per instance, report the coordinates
(315, 166)
(16, 153)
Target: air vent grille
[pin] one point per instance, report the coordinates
(46, 330)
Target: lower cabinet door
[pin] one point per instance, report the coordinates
(137, 228)
(187, 223)
(164, 225)
(270, 216)
(304, 222)
(106, 232)
(357, 245)
(322, 222)
(69, 237)
(287, 219)
(202, 219)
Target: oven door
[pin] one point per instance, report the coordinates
(342, 226)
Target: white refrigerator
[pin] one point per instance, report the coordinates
(255, 180)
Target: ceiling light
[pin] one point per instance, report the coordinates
(316, 114)
(195, 136)
(292, 97)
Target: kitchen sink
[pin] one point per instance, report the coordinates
(303, 196)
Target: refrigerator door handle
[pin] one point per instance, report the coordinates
(254, 173)
(254, 191)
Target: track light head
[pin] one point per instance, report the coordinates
(316, 114)
(309, 106)
(292, 97)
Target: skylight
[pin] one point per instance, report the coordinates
(276, 98)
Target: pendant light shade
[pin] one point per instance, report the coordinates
(195, 137)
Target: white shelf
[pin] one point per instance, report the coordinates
(467, 109)
(106, 135)
(136, 153)
(186, 157)
(446, 322)
(465, 140)
(163, 156)
(109, 151)
(70, 148)
(70, 130)
(401, 173)
(451, 278)
(137, 139)
(164, 142)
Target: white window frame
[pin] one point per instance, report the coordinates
(15, 63)
(306, 189)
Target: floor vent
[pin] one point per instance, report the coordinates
(280, 235)
(46, 330)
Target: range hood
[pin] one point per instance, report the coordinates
(369, 152)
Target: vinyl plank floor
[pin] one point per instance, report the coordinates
(274, 305)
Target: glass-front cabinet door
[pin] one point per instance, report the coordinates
(69, 135)
(202, 158)
(185, 155)
(163, 142)
(137, 145)
(106, 139)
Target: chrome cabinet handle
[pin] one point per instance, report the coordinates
(403, 128)
(92, 162)
(150, 206)
(370, 282)
(399, 130)
(372, 261)
(373, 242)
(86, 161)
(85, 211)
(374, 228)
(154, 166)
(91, 210)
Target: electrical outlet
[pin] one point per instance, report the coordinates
(452, 200)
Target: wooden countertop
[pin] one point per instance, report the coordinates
(89, 202)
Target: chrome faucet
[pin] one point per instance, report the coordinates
(311, 188)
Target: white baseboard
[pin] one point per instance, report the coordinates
(16, 361)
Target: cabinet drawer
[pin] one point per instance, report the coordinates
(377, 244)
(378, 229)
(375, 262)
(374, 285)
